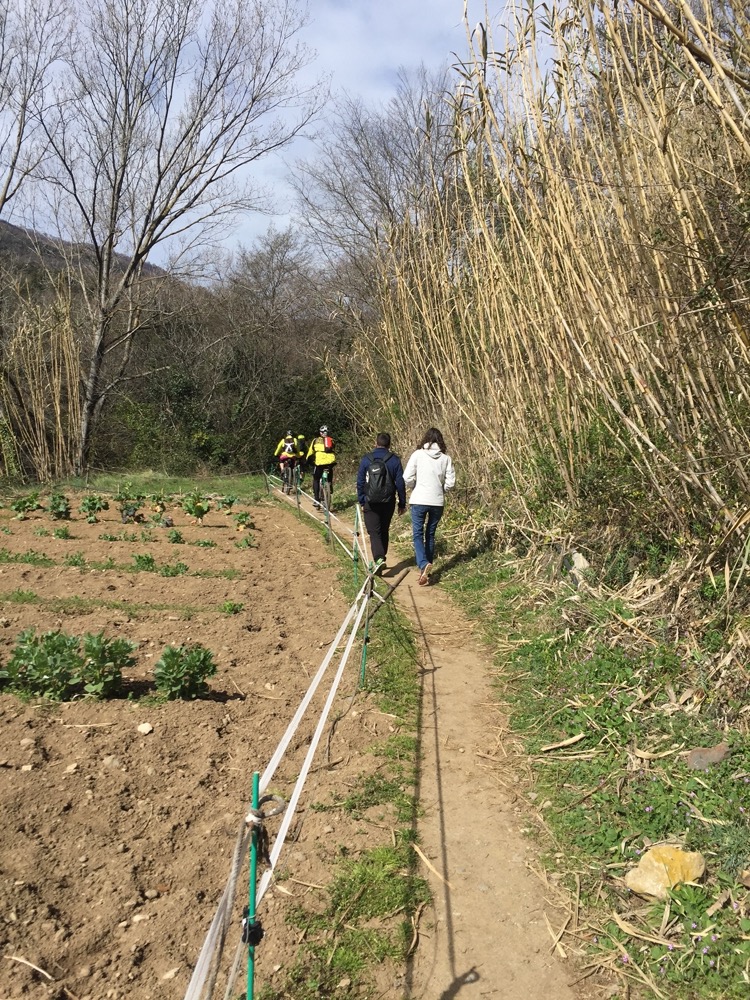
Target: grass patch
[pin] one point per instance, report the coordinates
(30, 557)
(364, 921)
(571, 668)
(248, 489)
(20, 597)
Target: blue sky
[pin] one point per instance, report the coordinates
(361, 44)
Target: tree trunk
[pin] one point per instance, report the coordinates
(90, 399)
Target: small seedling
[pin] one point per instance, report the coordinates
(226, 504)
(248, 542)
(75, 559)
(63, 532)
(92, 505)
(175, 537)
(196, 506)
(144, 563)
(177, 569)
(230, 608)
(41, 532)
(159, 501)
(243, 521)
(129, 502)
(25, 505)
(59, 507)
(204, 543)
(181, 671)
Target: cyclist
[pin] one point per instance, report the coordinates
(323, 456)
(288, 454)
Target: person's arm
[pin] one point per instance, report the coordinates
(398, 481)
(279, 448)
(410, 472)
(311, 449)
(450, 475)
(362, 480)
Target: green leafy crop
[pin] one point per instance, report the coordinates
(226, 504)
(196, 505)
(47, 666)
(25, 505)
(104, 663)
(59, 507)
(182, 671)
(92, 505)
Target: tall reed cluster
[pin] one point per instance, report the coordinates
(570, 300)
(40, 409)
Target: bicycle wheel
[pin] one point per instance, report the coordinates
(325, 491)
(286, 479)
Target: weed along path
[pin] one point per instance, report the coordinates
(489, 930)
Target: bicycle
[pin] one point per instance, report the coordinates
(325, 490)
(288, 476)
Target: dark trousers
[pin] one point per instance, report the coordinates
(378, 517)
(317, 473)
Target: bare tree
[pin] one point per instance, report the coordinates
(375, 164)
(167, 101)
(31, 39)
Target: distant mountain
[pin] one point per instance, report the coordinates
(23, 249)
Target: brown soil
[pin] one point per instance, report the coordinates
(116, 845)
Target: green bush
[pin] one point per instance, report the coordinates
(104, 663)
(46, 666)
(59, 507)
(175, 537)
(51, 665)
(144, 563)
(182, 671)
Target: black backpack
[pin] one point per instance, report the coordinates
(379, 484)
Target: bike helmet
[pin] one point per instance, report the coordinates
(324, 429)
(289, 435)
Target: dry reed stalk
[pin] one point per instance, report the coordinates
(559, 305)
(39, 392)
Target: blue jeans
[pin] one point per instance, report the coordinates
(424, 522)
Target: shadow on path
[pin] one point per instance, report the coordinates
(429, 727)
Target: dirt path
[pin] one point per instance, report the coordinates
(486, 935)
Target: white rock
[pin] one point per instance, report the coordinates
(172, 973)
(145, 728)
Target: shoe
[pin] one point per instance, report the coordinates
(379, 568)
(424, 576)
(317, 506)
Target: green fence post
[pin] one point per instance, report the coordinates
(251, 898)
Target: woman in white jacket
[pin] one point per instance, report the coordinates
(430, 473)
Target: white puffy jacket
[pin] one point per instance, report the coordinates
(430, 472)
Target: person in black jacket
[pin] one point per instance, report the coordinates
(380, 483)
